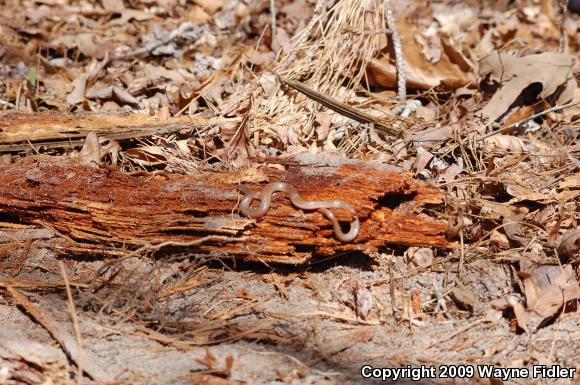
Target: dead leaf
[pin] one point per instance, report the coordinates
(571, 182)
(198, 14)
(261, 58)
(211, 6)
(95, 149)
(499, 239)
(550, 70)
(449, 173)
(156, 73)
(513, 229)
(237, 147)
(91, 150)
(131, 14)
(432, 134)
(298, 9)
(77, 95)
(112, 92)
(569, 247)
(85, 42)
(504, 144)
(545, 301)
(423, 158)
(545, 297)
(463, 295)
(113, 5)
(420, 256)
(364, 301)
(421, 72)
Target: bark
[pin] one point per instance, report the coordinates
(106, 212)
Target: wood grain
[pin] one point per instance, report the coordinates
(105, 212)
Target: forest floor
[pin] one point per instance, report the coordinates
(476, 100)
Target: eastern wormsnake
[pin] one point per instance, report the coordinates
(321, 206)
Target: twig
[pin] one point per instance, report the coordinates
(451, 335)
(23, 257)
(325, 314)
(273, 13)
(563, 36)
(398, 49)
(37, 285)
(392, 291)
(341, 108)
(11, 105)
(516, 124)
(75, 321)
(65, 340)
(461, 254)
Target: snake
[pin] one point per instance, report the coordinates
(321, 206)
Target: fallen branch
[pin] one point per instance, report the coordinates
(105, 212)
(20, 131)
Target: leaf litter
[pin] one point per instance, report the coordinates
(491, 118)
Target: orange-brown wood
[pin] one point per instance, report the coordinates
(102, 211)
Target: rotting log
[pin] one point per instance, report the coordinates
(106, 212)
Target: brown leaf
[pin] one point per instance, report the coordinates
(211, 6)
(569, 246)
(77, 95)
(110, 92)
(420, 256)
(546, 292)
(463, 295)
(80, 83)
(546, 301)
(95, 149)
(298, 9)
(513, 229)
(364, 301)
(432, 134)
(551, 70)
(91, 151)
(499, 239)
(447, 72)
(113, 5)
(237, 147)
(147, 155)
(504, 144)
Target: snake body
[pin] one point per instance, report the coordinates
(321, 206)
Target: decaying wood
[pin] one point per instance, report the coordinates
(20, 131)
(102, 211)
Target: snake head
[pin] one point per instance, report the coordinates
(242, 188)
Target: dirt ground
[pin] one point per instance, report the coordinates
(259, 324)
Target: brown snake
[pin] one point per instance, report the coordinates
(321, 206)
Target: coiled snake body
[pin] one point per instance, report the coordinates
(321, 206)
